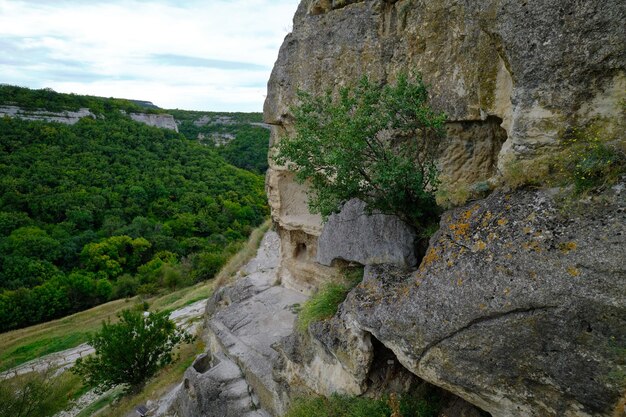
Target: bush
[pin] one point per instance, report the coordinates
(590, 162)
(344, 406)
(371, 142)
(324, 304)
(131, 351)
(126, 286)
(36, 394)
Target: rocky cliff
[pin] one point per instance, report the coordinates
(507, 310)
(518, 307)
(511, 75)
(66, 117)
(163, 121)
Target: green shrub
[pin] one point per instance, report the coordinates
(345, 406)
(589, 162)
(130, 351)
(324, 304)
(37, 394)
(376, 143)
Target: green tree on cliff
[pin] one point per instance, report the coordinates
(376, 143)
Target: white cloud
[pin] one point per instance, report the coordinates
(205, 55)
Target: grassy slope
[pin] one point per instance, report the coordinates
(19, 346)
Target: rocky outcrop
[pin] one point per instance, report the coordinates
(67, 117)
(512, 77)
(244, 321)
(215, 387)
(354, 235)
(163, 121)
(517, 307)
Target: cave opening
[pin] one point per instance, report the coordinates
(202, 363)
(388, 376)
(300, 252)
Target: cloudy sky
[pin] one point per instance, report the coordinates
(196, 54)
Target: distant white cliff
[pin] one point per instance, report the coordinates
(164, 121)
(67, 117)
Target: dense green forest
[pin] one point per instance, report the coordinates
(108, 208)
(250, 140)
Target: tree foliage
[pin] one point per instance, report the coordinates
(96, 200)
(250, 143)
(131, 351)
(376, 143)
(36, 394)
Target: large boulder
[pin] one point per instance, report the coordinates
(369, 239)
(519, 306)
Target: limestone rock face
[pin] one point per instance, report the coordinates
(369, 239)
(67, 117)
(511, 75)
(214, 387)
(517, 308)
(163, 121)
(334, 357)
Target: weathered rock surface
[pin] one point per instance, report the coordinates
(163, 121)
(66, 117)
(335, 356)
(369, 239)
(244, 320)
(215, 387)
(535, 65)
(246, 330)
(512, 76)
(517, 308)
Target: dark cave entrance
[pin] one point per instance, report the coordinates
(387, 375)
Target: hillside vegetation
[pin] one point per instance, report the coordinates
(48, 99)
(244, 140)
(108, 208)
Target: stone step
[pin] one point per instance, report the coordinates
(236, 390)
(226, 371)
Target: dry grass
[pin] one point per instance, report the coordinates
(243, 256)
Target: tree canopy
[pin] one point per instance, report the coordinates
(131, 351)
(373, 142)
(84, 208)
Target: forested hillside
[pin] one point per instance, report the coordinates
(241, 138)
(107, 208)
(48, 99)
